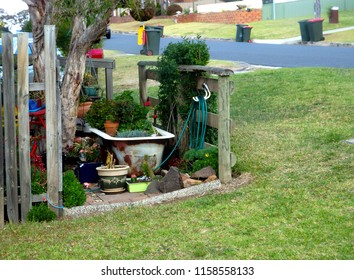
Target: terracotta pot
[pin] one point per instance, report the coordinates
(83, 109)
(111, 127)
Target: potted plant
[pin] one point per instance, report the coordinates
(112, 176)
(102, 111)
(90, 84)
(85, 155)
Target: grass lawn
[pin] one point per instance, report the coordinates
(267, 29)
(290, 123)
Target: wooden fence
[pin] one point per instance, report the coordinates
(15, 163)
(222, 121)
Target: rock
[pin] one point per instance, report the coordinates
(203, 173)
(164, 172)
(153, 187)
(184, 176)
(171, 182)
(191, 182)
(211, 178)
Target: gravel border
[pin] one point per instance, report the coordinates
(166, 197)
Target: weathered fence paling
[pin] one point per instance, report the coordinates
(8, 156)
(222, 121)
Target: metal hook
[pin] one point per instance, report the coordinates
(207, 91)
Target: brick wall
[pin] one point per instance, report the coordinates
(231, 17)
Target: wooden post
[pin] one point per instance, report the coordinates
(10, 128)
(2, 214)
(142, 83)
(23, 125)
(224, 129)
(53, 123)
(109, 83)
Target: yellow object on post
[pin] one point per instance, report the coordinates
(141, 36)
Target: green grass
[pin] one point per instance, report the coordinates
(267, 29)
(299, 205)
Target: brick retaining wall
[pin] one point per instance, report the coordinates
(230, 17)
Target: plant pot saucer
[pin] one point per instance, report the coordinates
(116, 190)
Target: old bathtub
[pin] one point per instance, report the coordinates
(131, 151)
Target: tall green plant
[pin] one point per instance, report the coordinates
(177, 89)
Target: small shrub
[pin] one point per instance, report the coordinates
(73, 192)
(41, 213)
(194, 160)
(172, 9)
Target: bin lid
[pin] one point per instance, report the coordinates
(335, 8)
(248, 26)
(316, 20)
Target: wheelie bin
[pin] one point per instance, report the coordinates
(305, 36)
(152, 40)
(315, 29)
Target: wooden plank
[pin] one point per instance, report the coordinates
(142, 83)
(10, 128)
(224, 130)
(94, 62)
(2, 181)
(221, 72)
(147, 63)
(53, 123)
(36, 87)
(152, 74)
(23, 125)
(109, 83)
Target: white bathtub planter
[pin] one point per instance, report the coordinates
(131, 150)
(112, 179)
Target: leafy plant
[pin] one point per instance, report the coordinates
(89, 80)
(84, 148)
(194, 160)
(131, 115)
(39, 180)
(177, 89)
(100, 111)
(41, 213)
(73, 193)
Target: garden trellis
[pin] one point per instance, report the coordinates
(15, 134)
(222, 121)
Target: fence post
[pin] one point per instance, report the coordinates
(53, 123)
(10, 128)
(142, 83)
(23, 125)
(224, 129)
(2, 214)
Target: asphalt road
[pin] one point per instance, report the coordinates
(273, 55)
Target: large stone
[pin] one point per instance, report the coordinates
(211, 178)
(171, 182)
(191, 182)
(203, 173)
(153, 187)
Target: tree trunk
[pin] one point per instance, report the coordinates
(41, 14)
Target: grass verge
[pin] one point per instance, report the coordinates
(290, 123)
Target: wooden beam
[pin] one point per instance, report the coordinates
(2, 213)
(142, 83)
(109, 83)
(53, 123)
(23, 125)
(10, 128)
(221, 72)
(36, 87)
(224, 130)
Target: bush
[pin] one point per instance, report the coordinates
(172, 9)
(41, 213)
(194, 160)
(73, 192)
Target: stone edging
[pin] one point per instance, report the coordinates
(166, 197)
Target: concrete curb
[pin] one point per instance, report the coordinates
(166, 197)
